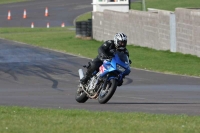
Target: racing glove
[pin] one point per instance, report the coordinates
(130, 61)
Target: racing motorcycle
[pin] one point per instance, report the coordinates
(103, 84)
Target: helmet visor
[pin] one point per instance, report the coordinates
(122, 43)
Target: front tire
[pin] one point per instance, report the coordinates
(81, 96)
(106, 94)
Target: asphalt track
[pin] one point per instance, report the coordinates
(35, 77)
(60, 11)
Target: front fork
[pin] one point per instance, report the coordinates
(109, 77)
(105, 81)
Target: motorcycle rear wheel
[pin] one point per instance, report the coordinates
(105, 95)
(81, 96)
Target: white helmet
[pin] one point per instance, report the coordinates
(120, 40)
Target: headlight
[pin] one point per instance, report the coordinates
(120, 68)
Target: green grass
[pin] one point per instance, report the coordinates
(64, 40)
(84, 17)
(33, 120)
(54, 38)
(10, 1)
(167, 4)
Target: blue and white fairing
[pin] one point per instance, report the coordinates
(119, 65)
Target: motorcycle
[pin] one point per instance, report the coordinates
(103, 84)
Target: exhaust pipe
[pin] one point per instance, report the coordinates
(81, 74)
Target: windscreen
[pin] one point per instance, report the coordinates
(122, 56)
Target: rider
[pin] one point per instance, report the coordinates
(106, 51)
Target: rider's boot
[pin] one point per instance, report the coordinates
(84, 79)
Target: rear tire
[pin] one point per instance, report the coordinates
(105, 95)
(81, 96)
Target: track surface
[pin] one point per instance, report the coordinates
(59, 11)
(35, 77)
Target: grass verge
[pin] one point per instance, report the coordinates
(10, 1)
(84, 17)
(33, 120)
(64, 40)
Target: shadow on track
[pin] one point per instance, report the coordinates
(45, 70)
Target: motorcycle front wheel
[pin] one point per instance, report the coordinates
(107, 92)
(81, 96)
